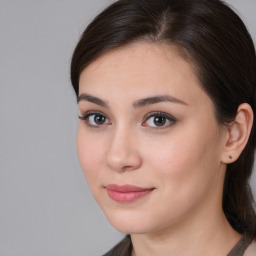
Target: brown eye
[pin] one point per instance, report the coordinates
(95, 119)
(99, 119)
(158, 120)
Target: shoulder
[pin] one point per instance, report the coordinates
(251, 249)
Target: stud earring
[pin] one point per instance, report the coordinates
(230, 157)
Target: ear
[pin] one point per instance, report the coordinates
(237, 134)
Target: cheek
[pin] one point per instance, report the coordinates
(89, 155)
(174, 155)
(184, 169)
(186, 160)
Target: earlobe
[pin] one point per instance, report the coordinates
(238, 133)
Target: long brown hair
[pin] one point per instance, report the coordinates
(213, 37)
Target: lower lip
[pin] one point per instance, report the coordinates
(127, 197)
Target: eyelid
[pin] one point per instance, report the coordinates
(149, 115)
(87, 114)
(159, 113)
(162, 114)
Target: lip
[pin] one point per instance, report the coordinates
(126, 193)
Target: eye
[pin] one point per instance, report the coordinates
(95, 119)
(158, 120)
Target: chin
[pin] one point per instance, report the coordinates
(128, 222)
(129, 228)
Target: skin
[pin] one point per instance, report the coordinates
(182, 160)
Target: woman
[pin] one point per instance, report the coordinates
(166, 92)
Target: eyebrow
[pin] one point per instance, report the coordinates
(92, 99)
(136, 104)
(157, 99)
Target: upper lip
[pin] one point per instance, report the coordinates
(126, 188)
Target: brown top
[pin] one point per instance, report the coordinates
(240, 247)
(244, 247)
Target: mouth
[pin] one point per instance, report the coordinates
(126, 193)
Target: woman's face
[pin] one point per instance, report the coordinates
(148, 141)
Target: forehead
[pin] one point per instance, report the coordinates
(141, 68)
(139, 58)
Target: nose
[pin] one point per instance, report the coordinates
(123, 151)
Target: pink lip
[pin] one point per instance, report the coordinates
(126, 193)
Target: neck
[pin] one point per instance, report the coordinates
(206, 240)
(217, 238)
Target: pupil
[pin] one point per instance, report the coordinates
(159, 120)
(98, 119)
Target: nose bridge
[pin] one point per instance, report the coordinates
(122, 153)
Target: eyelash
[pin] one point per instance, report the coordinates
(89, 114)
(167, 117)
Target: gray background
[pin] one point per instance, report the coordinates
(45, 205)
